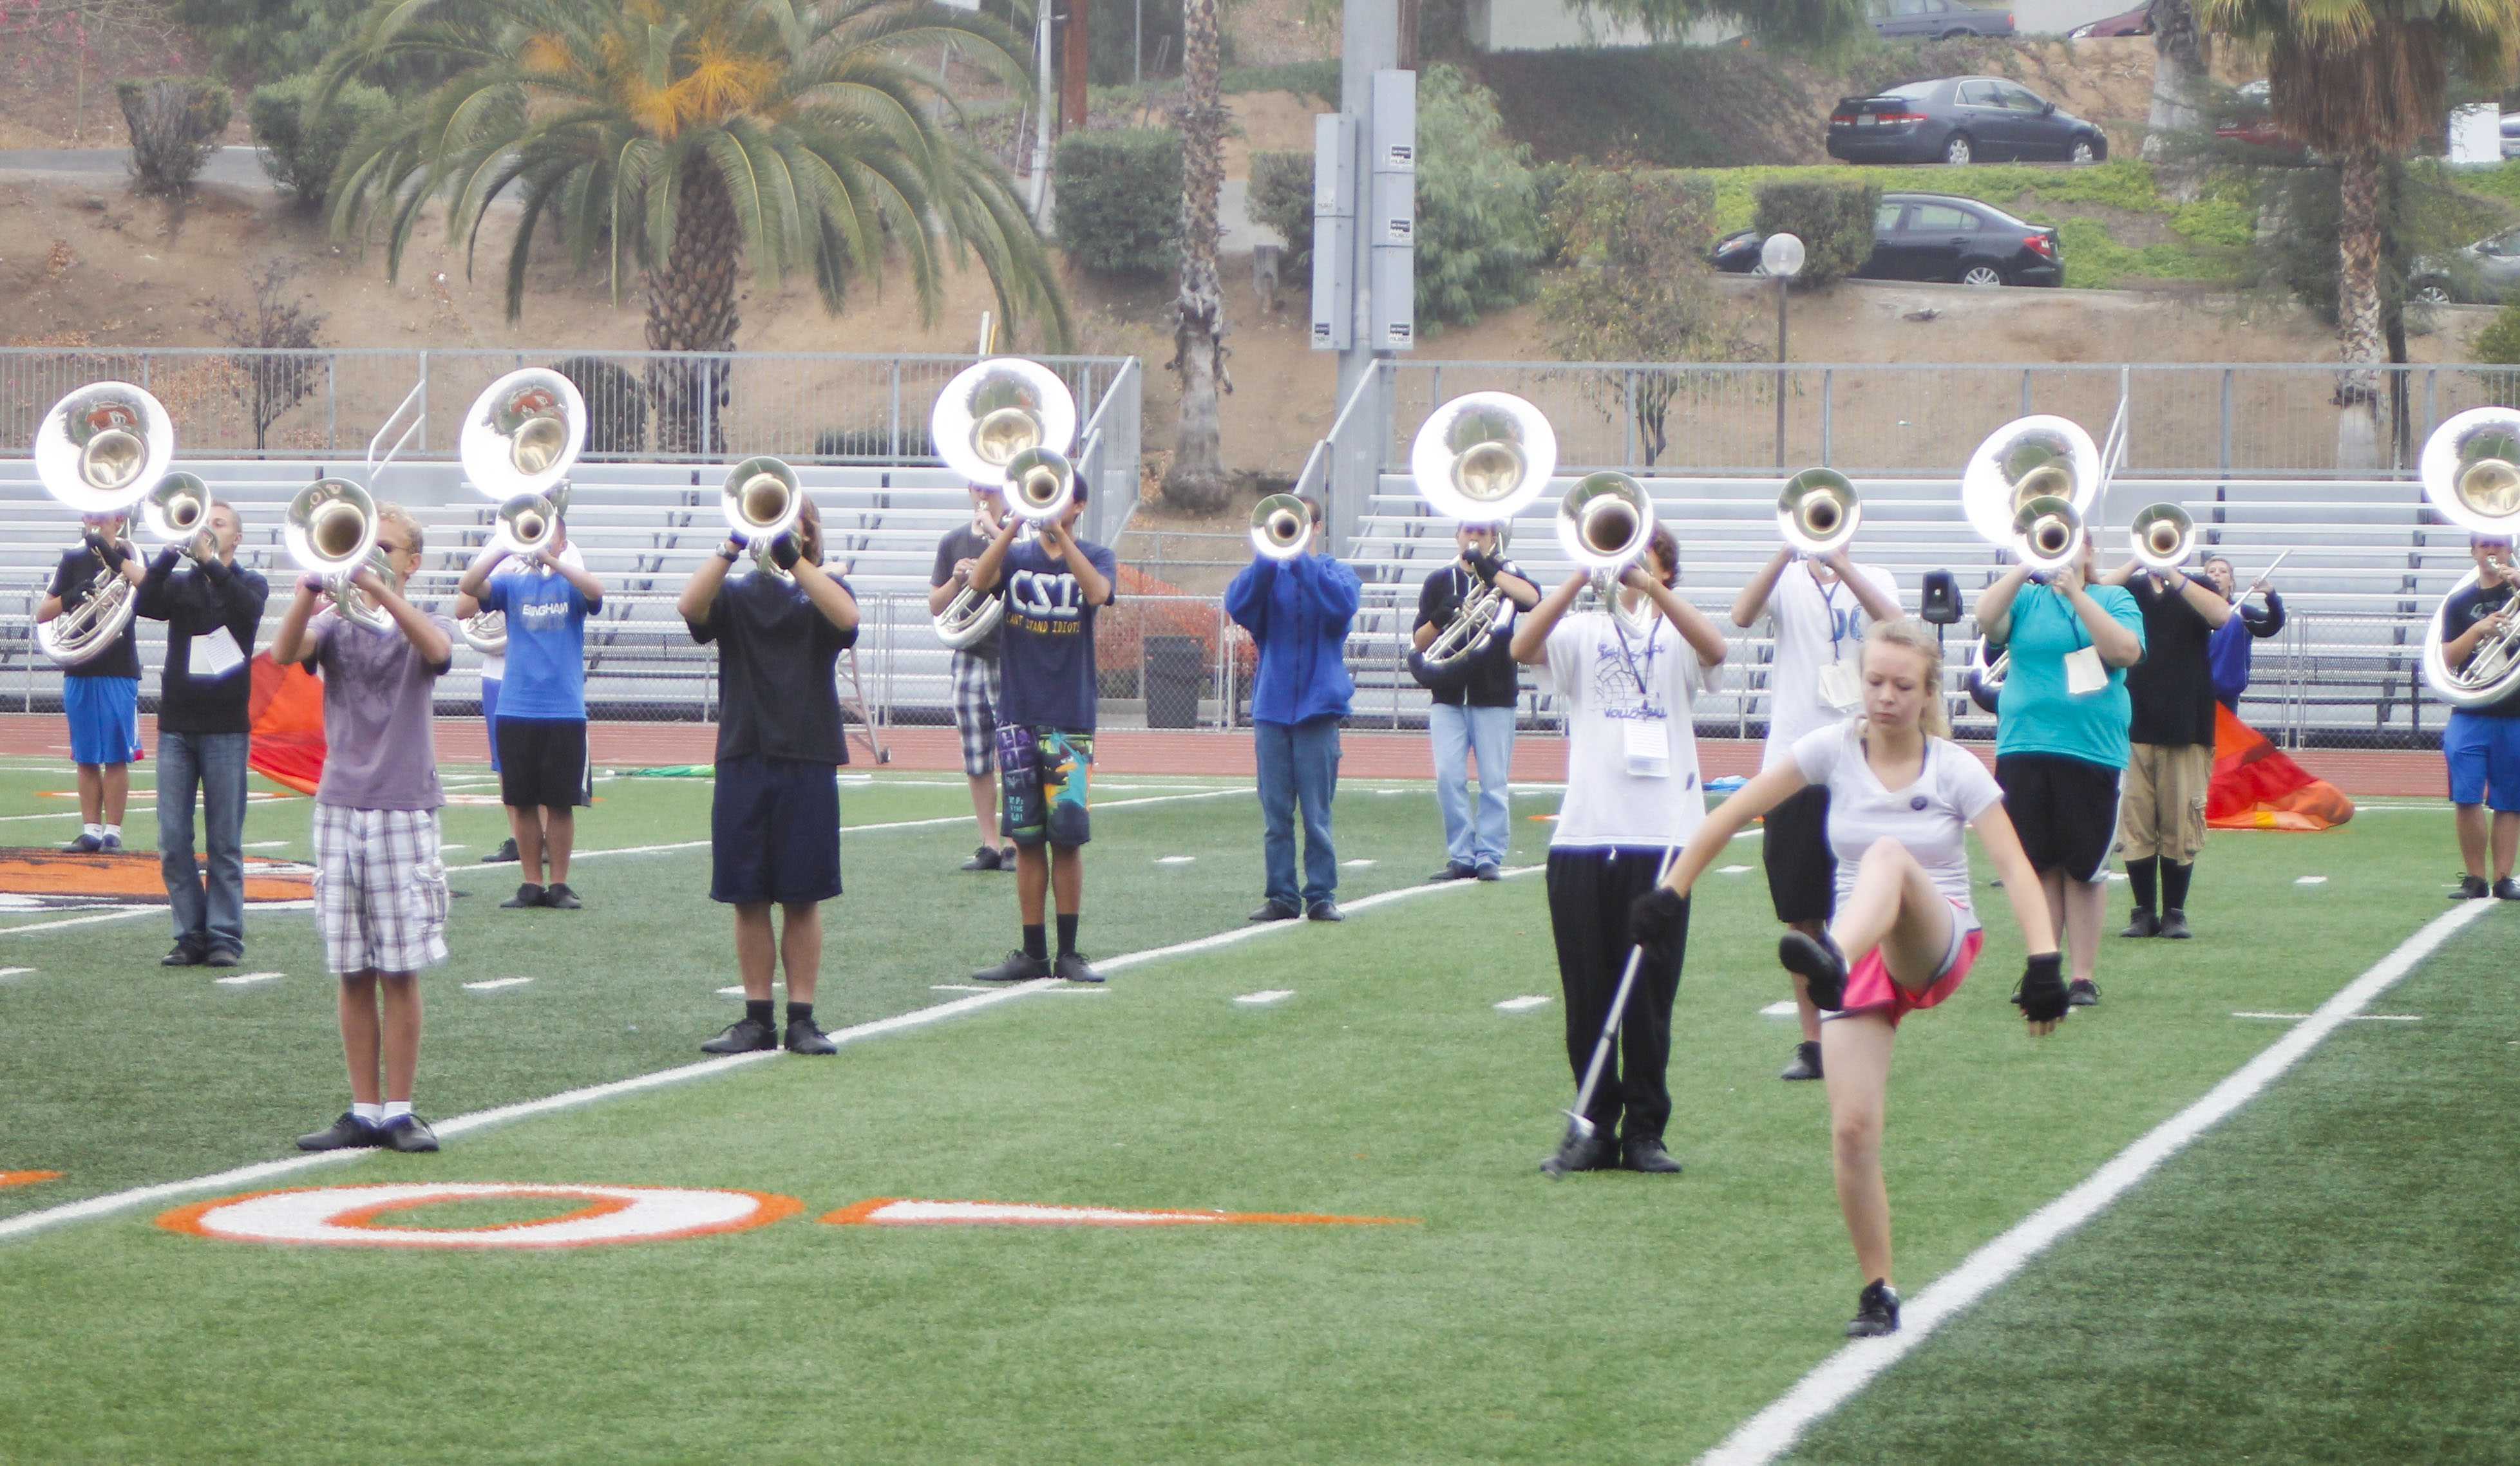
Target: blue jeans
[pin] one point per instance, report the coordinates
(1298, 765)
(214, 763)
(1457, 731)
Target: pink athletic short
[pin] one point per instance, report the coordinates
(1870, 990)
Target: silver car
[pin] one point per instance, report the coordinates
(2480, 274)
(1937, 19)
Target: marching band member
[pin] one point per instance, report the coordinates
(211, 608)
(2482, 744)
(1812, 684)
(774, 816)
(1901, 798)
(545, 775)
(974, 673)
(2170, 761)
(1298, 611)
(1474, 715)
(2060, 740)
(494, 676)
(380, 886)
(99, 696)
(1631, 791)
(2228, 651)
(1056, 583)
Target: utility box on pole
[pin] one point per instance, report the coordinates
(1394, 311)
(1334, 231)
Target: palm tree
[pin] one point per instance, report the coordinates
(2360, 82)
(1197, 478)
(689, 135)
(2181, 70)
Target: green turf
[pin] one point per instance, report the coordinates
(1612, 1318)
(2327, 1277)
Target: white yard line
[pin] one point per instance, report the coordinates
(1844, 1374)
(245, 979)
(496, 983)
(861, 830)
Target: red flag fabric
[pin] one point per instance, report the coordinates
(2256, 787)
(286, 706)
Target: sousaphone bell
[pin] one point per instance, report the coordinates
(99, 450)
(1479, 459)
(2471, 474)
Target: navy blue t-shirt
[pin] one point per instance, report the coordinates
(546, 645)
(1046, 643)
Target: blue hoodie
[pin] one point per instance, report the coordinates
(1298, 611)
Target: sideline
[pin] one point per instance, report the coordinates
(1845, 1373)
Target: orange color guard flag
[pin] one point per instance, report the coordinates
(2256, 787)
(286, 706)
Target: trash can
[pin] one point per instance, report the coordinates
(1176, 672)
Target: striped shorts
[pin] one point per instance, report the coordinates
(976, 712)
(380, 889)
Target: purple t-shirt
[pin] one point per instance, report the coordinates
(380, 750)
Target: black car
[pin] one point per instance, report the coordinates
(1959, 119)
(1937, 19)
(1934, 236)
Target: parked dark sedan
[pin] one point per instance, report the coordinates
(1959, 119)
(1937, 19)
(2136, 22)
(1934, 236)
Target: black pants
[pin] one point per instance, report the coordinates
(1590, 892)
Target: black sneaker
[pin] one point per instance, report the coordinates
(1453, 871)
(1007, 859)
(743, 1036)
(1019, 967)
(504, 855)
(1876, 1311)
(2470, 888)
(2174, 925)
(2143, 924)
(1324, 911)
(86, 844)
(805, 1036)
(527, 896)
(1271, 911)
(1821, 966)
(2081, 993)
(560, 898)
(1806, 1064)
(2507, 889)
(410, 1135)
(349, 1132)
(983, 859)
(181, 956)
(223, 957)
(1071, 967)
(1488, 871)
(1593, 1152)
(1644, 1153)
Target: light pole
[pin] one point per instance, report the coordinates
(1780, 255)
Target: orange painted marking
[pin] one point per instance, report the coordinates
(897, 1211)
(28, 1177)
(600, 1206)
(131, 875)
(342, 1227)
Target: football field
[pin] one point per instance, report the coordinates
(2322, 1276)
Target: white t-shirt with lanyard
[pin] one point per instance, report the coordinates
(1817, 627)
(1632, 747)
(1929, 816)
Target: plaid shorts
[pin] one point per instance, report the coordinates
(976, 712)
(380, 889)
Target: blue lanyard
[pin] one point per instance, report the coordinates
(1653, 640)
(1829, 601)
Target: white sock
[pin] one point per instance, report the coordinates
(115, 830)
(97, 830)
(374, 1114)
(395, 1109)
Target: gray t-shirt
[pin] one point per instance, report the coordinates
(380, 752)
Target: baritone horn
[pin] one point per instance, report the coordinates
(178, 513)
(1604, 525)
(1818, 512)
(99, 450)
(1480, 459)
(330, 531)
(762, 501)
(2471, 474)
(2163, 535)
(1282, 527)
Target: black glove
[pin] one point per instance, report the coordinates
(2041, 992)
(785, 552)
(1659, 921)
(213, 567)
(104, 550)
(1487, 567)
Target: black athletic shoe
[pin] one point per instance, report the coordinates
(86, 844)
(1806, 1064)
(743, 1036)
(805, 1036)
(983, 859)
(1876, 1311)
(1324, 911)
(1016, 969)
(349, 1132)
(1644, 1153)
(1007, 859)
(1593, 1152)
(1487, 870)
(2174, 925)
(223, 957)
(1272, 911)
(181, 956)
(528, 896)
(2470, 888)
(1071, 967)
(1821, 966)
(2143, 924)
(2081, 993)
(2507, 889)
(410, 1135)
(504, 855)
(1453, 871)
(560, 898)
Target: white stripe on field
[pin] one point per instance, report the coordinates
(860, 829)
(1843, 1375)
(241, 979)
(496, 983)
(2356, 1018)
(1521, 1004)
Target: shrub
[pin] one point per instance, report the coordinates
(2498, 343)
(1833, 218)
(1282, 197)
(1119, 199)
(175, 124)
(1478, 212)
(300, 145)
(616, 405)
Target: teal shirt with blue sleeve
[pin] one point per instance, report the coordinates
(2036, 714)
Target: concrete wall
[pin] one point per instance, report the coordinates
(1552, 25)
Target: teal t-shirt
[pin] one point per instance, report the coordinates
(2036, 714)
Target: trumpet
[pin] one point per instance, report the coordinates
(2471, 474)
(1604, 525)
(2163, 535)
(762, 501)
(330, 531)
(1480, 459)
(99, 450)
(177, 512)
(1282, 527)
(1818, 512)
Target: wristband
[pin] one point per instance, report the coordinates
(729, 553)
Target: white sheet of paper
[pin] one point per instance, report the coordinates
(1648, 748)
(2083, 672)
(1837, 687)
(216, 654)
